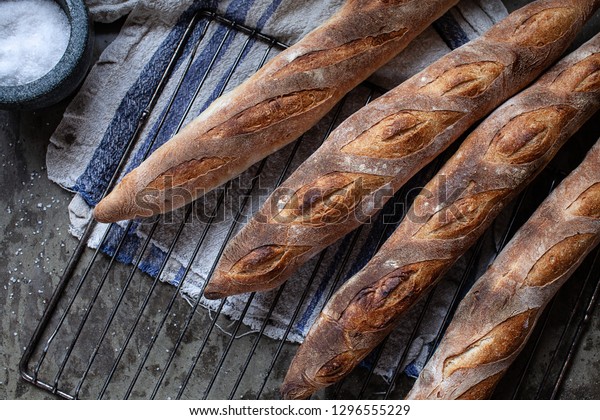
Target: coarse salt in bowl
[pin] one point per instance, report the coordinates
(45, 51)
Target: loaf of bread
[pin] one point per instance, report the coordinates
(379, 148)
(272, 108)
(496, 317)
(494, 164)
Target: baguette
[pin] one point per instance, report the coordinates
(272, 108)
(379, 148)
(495, 319)
(490, 168)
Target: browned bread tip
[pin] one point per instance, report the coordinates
(379, 148)
(494, 320)
(490, 168)
(272, 108)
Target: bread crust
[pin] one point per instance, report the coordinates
(385, 143)
(522, 280)
(490, 168)
(275, 106)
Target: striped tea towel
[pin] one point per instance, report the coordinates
(86, 148)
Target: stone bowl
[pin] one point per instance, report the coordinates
(67, 75)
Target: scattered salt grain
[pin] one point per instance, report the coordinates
(35, 35)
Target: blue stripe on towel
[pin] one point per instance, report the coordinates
(128, 248)
(183, 97)
(413, 369)
(94, 180)
(152, 261)
(237, 11)
(267, 14)
(450, 31)
(179, 276)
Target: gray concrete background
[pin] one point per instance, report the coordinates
(36, 245)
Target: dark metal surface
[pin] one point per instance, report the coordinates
(131, 336)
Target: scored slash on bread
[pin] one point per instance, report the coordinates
(272, 108)
(496, 162)
(368, 157)
(494, 320)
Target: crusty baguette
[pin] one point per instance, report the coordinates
(272, 108)
(493, 165)
(379, 148)
(494, 320)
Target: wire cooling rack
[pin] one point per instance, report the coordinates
(111, 331)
